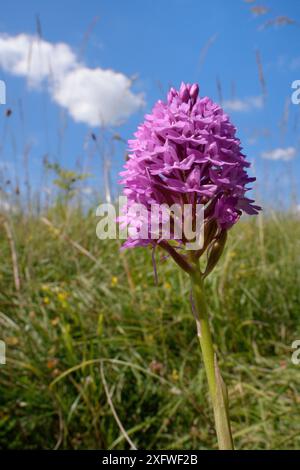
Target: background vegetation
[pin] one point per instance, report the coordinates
(97, 354)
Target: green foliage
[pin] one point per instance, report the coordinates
(74, 314)
(66, 180)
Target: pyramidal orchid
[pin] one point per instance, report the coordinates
(186, 155)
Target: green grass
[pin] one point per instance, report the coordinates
(78, 325)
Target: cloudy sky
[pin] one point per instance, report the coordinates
(71, 67)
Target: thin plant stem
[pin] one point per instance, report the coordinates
(216, 385)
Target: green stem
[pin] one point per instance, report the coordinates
(217, 388)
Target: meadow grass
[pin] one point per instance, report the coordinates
(97, 354)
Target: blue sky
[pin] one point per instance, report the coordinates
(160, 43)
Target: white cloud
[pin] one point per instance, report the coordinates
(284, 154)
(93, 96)
(245, 104)
(31, 57)
(96, 96)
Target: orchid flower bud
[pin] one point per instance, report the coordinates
(215, 252)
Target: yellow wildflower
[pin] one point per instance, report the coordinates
(12, 341)
(62, 296)
(175, 375)
(55, 321)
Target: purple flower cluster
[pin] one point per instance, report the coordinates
(187, 152)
